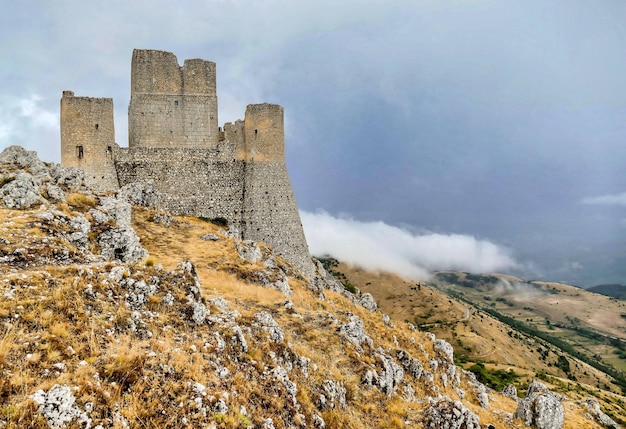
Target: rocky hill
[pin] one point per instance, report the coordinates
(114, 314)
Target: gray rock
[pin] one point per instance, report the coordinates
(220, 407)
(138, 294)
(443, 412)
(268, 424)
(324, 280)
(70, 178)
(164, 219)
(210, 237)
(26, 159)
(334, 395)
(595, 413)
(21, 193)
(99, 217)
(140, 194)
(353, 332)
(55, 193)
(220, 303)
(267, 323)
(118, 209)
(318, 422)
(510, 391)
(540, 408)
(57, 407)
(249, 251)
(391, 374)
(80, 235)
(367, 300)
(280, 374)
(411, 365)
(444, 350)
(121, 244)
(238, 340)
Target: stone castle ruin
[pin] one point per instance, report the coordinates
(174, 142)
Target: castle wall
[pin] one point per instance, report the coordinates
(172, 106)
(270, 213)
(88, 138)
(195, 182)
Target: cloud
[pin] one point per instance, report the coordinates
(379, 246)
(23, 121)
(607, 200)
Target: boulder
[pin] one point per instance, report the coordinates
(541, 408)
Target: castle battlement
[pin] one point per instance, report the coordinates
(174, 142)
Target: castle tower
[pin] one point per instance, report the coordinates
(88, 138)
(270, 212)
(172, 106)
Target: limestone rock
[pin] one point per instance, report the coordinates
(21, 192)
(140, 194)
(210, 237)
(121, 244)
(267, 323)
(443, 412)
(353, 331)
(411, 365)
(26, 159)
(367, 300)
(390, 375)
(334, 395)
(510, 391)
(70, 178)
(541, 408)
(596, 414)
(249, 251)
(57, 407)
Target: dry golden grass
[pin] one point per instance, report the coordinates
(148, 379)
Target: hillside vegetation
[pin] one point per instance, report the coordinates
(498, 334)
(117, 315)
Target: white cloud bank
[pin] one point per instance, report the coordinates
(379, 246)
(607, 200)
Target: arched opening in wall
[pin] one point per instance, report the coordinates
(79, 152)
(109, 152)
(175, 102)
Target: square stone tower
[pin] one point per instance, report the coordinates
(172, 106)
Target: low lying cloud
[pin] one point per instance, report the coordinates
(607, 200)
(379, 246)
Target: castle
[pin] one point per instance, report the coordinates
(174, 142)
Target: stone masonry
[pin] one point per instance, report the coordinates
(238, 173)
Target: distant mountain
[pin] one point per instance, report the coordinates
(614, 290)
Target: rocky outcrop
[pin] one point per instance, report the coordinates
(596, 414)
(443, 412)
(541, 408)
(57, 407)
(26, 182)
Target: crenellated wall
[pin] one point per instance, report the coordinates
(238, 173)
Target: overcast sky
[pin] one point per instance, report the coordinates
(501, 123)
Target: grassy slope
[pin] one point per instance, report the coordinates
(481, 338)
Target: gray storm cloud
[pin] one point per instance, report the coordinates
(379, 246)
